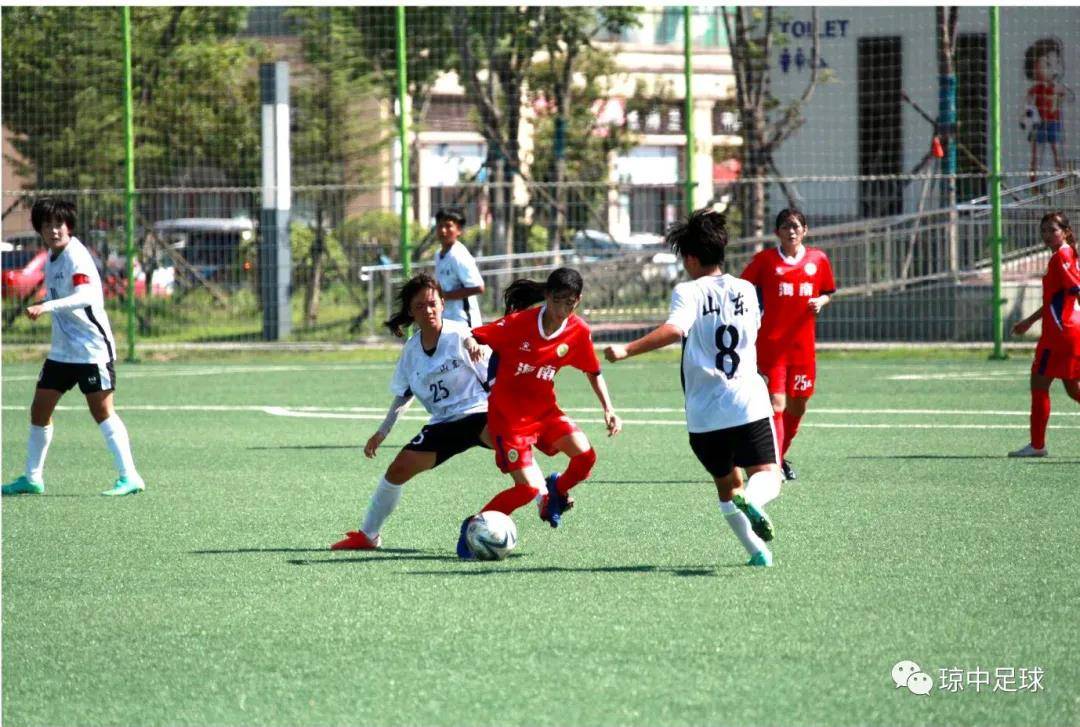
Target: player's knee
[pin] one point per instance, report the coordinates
(401, 470)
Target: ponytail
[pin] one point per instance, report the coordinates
(403, 318)
(521, 294)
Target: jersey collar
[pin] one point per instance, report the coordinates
(540, 325)
(791, 260)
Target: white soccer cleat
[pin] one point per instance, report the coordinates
(1028, 451)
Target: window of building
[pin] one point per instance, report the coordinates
(880, 143)
(269, 22)
(972, 107)
(725, 119)
(664, 27)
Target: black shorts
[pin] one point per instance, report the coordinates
(449, 438)
(746, 445)
(91, 378)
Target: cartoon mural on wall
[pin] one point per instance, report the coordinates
(1044, 64)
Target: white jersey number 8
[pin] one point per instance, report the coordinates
(727, 339)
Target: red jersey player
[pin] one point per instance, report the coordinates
(531, 345)
(1057, 355)
(795, 282)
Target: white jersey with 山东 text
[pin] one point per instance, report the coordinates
(82, 334)
(719, 317)
(456, 269)
(446, 381)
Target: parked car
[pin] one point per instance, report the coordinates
(662, 266)
(23, 274)
(217, 249)
(22, 260)
(645, 242)
(594, 244)
(114, 280)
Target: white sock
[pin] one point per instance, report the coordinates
(116, 439)
(37, 446)
(383, 501)
(763, 487)
(740, 524)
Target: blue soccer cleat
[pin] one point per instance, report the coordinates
(556, 503)
(463, 550)
(761, 559)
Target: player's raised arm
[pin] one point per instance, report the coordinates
(663, 335)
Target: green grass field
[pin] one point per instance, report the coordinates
(211, 599)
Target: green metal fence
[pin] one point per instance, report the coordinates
(565, 134)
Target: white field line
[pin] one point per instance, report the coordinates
(958, 376)
(126, 373)
(371, 414)
(381, 411)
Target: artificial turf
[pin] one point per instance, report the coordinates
(212, 599)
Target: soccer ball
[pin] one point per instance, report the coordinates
(1028, 119)
(491, 535)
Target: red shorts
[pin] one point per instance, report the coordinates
(1057, 360)
(795, 379)
(514, 440)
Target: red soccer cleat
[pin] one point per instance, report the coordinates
(355, 540)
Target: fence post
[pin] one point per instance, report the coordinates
(129, 182)
(275, 253)
(403, 133)
(688, 114)
(995, 183)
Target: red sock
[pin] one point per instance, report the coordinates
(778, 427)
(791, 428)
(1040, 417)
(511, 499)
(579, 468)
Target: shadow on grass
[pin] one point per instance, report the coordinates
(49, 495)
(382, 555)
(644, 482)
(312, 446)
(243, 551)
(487, 569)
(472, 568)
(1033, 460)
(483, 568)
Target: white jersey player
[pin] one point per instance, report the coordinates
(456, 270)
(728, 412)
(83, 351)
(443, 367)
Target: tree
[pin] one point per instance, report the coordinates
(569, 34)
(765, 123)
(495, 47)
(193, 93)
(339, 133)
(428, 55)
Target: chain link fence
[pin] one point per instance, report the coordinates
(561, 133)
